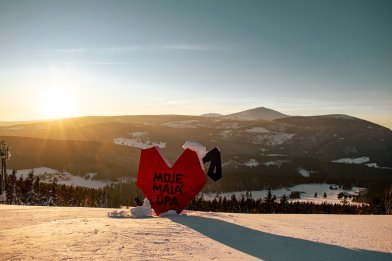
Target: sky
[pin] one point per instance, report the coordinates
(77, 58)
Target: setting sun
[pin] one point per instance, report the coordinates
(57, 104)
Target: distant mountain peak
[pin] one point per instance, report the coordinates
(259, 113)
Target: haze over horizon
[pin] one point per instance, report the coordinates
(77, 58)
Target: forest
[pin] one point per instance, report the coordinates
(32, 191)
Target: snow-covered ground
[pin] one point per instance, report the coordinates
(54, 233)
(360, 160)
(140, 139)
(252, 163)
(305, 173)
(271, 139)
(375, 165)
(257, 130)
(277, 163)
(307, 193)
(226, 134)
(48, 175)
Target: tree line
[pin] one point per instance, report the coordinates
(270, 204)
(32, 191)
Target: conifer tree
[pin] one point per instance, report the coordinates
(283, 204)
(269, 202)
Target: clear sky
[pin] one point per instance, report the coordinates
(71, 58)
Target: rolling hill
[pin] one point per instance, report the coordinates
(256, 151)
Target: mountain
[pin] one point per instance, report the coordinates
(256, 154)
(260, 113)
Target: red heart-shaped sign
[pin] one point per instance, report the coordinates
(170, 188)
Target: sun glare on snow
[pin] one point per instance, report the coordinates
(57, 104)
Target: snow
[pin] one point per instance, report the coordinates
(181, 124)
(277, 163)
(226, 134)
(360, 160)
(234, 164)
(271, 139)
(308, 190)
(231, 164)
(60, 233)
(339, 116)
(276, 155)
(304, 172)
(140, 142)
(232, 125)
(252, 163)
(260, 113)
(48, 175)
(375, 165)
(257, 130)
(143, 210)
(200, 150)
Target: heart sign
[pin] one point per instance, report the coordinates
(170, 188)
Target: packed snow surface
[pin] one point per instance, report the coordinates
(59, 233)
(360, 160)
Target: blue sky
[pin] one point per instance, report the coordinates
(71, 58)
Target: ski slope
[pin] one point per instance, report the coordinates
(55, 233)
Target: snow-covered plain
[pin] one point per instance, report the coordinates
(54, 233)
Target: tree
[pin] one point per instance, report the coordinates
(284, 204)
(52, 194)
(269, 202)
(388, 201)
(31, 196)
(325, 195)
(13, 191)
(315, 195)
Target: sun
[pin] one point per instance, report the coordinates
(57, 104)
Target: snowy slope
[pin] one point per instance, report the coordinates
(53, 233)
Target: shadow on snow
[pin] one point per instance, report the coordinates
(272, 247)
